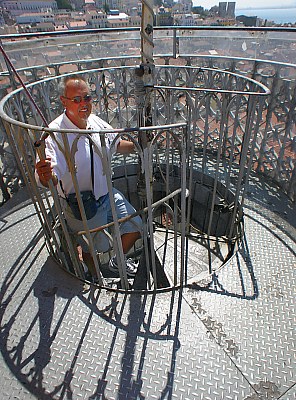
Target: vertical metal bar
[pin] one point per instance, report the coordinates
(235, 129)
(143, 91)
(175, 259)
(175, 44)
(72, 171)
(183, 206)
(191, 137)
(149, 199)
(17, 151)
(41, 153)
(116, 243)
(219, 152)
(268, 119)
(243, 158)
(77, 267)
(147, 32)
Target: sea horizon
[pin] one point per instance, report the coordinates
(278, 15)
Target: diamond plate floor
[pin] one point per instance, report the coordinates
(231, 339)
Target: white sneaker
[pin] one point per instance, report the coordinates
(131, 267)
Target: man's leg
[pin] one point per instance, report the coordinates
(128, 240)
(128, 236)
(87, 258)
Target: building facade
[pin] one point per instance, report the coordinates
(222, 9)
(31, 18)
(187, 5)
(227, 9)
(163, 17)
(20, 7)
(231, 9)
(96, 19)
(110, 4)
(117, 20)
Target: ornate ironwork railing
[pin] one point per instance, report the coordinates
(204, 124)
(267, 52)
(234, 128)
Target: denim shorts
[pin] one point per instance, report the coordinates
(102, 240)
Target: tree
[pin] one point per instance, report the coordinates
(201, 11)
(198, 10)
(64, 4)
(106, 8)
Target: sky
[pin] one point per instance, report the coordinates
(247, 4)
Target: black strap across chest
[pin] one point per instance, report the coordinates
(92, 164)
(91, 168)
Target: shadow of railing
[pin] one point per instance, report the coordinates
(31, 357)
(215, 285)
(25, 363)
(138, 326)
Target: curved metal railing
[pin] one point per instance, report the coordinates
(199, 162)
(264, 54)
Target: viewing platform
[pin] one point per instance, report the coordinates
(229, 338)
(223, 327)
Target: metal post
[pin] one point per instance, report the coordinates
(143, 91)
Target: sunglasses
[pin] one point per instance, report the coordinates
(78, 99)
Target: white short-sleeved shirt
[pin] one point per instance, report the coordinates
(82, 156)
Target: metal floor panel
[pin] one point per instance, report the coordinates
(233, 338)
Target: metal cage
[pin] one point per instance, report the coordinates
(188, 182)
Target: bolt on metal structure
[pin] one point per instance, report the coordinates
(188, 214)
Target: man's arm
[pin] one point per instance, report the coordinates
(125, 147)
(45, 172)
